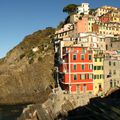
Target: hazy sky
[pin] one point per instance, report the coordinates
(19, 18)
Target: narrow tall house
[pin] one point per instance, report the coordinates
(76, 70)
(98, 72)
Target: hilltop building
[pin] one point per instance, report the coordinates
(104, 9)
(88, 51)
(83, 8)
(111, 16)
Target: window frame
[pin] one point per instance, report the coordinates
(74, 57)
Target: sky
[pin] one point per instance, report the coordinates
(19, 18)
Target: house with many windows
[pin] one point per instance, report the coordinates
(98, 72)
(76, 70)
(112, 70)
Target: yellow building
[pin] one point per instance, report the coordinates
(98, 73)
(91, 20)
(115, 16)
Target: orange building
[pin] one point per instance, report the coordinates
(82, 25)
(105, 18)
(76, 70)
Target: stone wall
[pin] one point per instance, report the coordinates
(57, 105)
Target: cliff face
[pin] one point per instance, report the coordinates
(27, 70)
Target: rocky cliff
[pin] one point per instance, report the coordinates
(27, 70)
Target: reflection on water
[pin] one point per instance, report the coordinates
(11, 112)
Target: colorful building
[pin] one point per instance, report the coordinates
(85, 24)
(76, 70)
(109, 28)
(104, 9)
(65, 31)
(82, 25)
(111, 16)
(98, 72)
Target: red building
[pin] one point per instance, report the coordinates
(76, 69)
(105, 18)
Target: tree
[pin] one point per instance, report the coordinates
(70, 8)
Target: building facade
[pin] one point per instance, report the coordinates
(112, 73)
(98, 72)
(111, 16)
(76, 69)
(104, 9)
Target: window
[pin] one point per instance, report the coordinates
(74, 67)
(95, 59)
(83, 50)
(103, 76)
(114, 72)
(75, 77)
(90, 67)
(114, 63)
(114, 83)
(74, 57)
(97, 76)
(90, 76)
(110, 72)
(102, 67)
(100, 59)
(82, 57)
(94, 76)
(109, 63)
(83, 66)
(94, 67)
(111, 83)
(98, 67)
(89, 57)
(82, 76)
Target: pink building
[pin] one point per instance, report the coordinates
(82, 25)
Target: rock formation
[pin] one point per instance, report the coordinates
(26, 73)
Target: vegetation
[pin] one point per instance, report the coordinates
(70, 8)
(28, 77)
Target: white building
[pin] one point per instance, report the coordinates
(83, 8)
